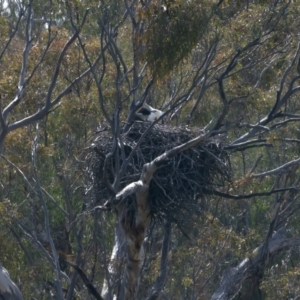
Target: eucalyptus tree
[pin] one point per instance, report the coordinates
(203, 64)
(30, 26)
(223, 72)
(35, 45)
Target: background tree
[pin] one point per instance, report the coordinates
(225, 73)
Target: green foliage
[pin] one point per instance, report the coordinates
(171, 32)
(173, 41)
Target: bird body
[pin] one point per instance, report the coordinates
(148, 113)
(154, 115)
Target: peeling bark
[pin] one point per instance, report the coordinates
(134, 226)
(135, 235)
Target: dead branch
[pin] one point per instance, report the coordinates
(58, 283)
(281, 169)
(5, 129)
(161, 278)
(280, 101)
(247, 196)
(86, 281)
(14, 31)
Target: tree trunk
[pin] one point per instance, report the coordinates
(252, 267)
(135, 235)
(112, 281)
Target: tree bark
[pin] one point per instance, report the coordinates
(135, 236)
(233, 278)
(112, 281)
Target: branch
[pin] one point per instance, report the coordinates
(251, 146)
(280, 101)
(150, 168)
(45, 110)
(131, 14)
(28, 255)
(59, 62)
(86, 281)
(208, 60)
(48, 104)
(256, 163)
(98, 82)
(3, 126)
(161, 278)
(243, 144)
(232, 64)
(128, 190)
(21, 172)
(281, 169)
(247, 196)
(31, 187)
(41, 247)
(14, 31)
(28, 44)
(232, 279)
(46, 216)
(287, 71)
(282, 123)
(258, 126)
(79, 236)
(50, 40)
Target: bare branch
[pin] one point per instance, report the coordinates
(287, 71)
(28, 45)
(257, 126)
(256, 163)
(48, 104)
(59, 61)
(98, 81)
(161, 278)
(55, 202)
(282, 169)
(282, 123)
(20, 171)
(251, 142)
(86, 281)
(26, 82)
(46, 216)
(129, 11)
(79, 237)
(142, 185)
(209, 58)
(280, 101)
(32, 237)
(15, 30)
(247, 196)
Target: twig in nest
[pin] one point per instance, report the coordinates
(186, 174)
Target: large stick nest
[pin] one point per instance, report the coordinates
(178, 187)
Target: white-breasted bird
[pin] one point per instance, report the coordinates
(148, 113)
